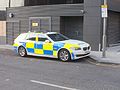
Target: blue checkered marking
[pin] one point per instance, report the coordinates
(23, 44)
(38, 45)
(73, 56)
(48, 52)
(57, 46)
(30, 50)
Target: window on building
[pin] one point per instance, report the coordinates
(51, 2)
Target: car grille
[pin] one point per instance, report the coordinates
(86, 48)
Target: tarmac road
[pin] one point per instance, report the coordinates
(36, 73)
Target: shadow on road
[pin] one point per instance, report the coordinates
(12, 53)
(82, 60)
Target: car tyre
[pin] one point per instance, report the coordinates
(22, 51)
(64, 55)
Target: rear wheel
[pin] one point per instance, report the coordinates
(22, 51)
(64, 55)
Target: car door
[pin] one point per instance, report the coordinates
(39, 45)
(43, 46)
(30, 43)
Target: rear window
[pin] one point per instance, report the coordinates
(21, 37)
(32, 38)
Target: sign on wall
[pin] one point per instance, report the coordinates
(35, 24)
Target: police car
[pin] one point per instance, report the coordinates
(50, 44)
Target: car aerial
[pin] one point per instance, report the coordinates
(50, 44)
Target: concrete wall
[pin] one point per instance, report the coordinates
(45, 10)
(92, 18)
(92, 26)
(19, 23)
(92, 23)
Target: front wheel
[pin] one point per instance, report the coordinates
(22, 51)
(64, 55)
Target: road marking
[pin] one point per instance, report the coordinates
(53, 85)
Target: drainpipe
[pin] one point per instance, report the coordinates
(9, 3)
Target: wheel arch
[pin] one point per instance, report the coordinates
(21, 46)
(62, 49)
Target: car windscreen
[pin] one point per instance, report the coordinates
(57, 37)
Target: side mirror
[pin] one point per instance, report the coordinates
(47, 41)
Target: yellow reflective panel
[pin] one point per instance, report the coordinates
(30, 45)
(36, 38)
(39, 51)
(55, 53)
(48, 46)
(15, 45)
(68, 45)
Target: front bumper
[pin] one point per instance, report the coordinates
(79, 54)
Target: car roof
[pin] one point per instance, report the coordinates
(39, 33)
(51, 32)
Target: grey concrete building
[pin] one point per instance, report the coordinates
(77, 19)
(3, 5)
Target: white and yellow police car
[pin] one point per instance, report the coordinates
(50, 44)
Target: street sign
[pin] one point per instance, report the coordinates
(104, 11)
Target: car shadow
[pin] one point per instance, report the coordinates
(81, 60)
(38, 58)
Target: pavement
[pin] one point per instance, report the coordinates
(112, 54)
(7, 47)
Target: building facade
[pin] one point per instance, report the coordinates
(3, 5)
(77, 19)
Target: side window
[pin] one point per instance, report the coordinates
(32, 39)
(31, 36)
(42, 39)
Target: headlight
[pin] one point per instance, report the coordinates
(78, 48)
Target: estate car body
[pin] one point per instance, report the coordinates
(50, 44)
